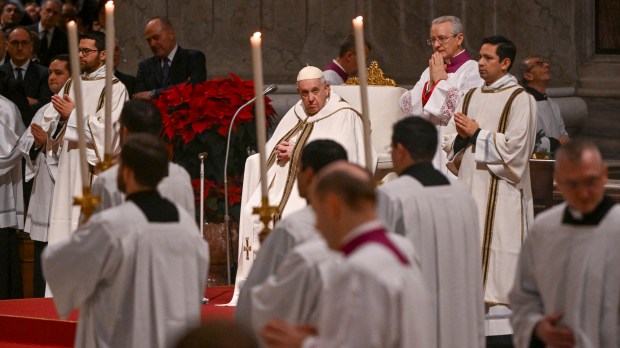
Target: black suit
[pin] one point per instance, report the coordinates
(187, 65)
(128, 80)
(14, 91)
(58, 45)
(35, 85)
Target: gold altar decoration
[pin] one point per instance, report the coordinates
(87, 203)
(265, 213)
(375, 77)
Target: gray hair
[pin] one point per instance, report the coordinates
(457, 25)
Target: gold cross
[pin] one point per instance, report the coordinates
(247, 248)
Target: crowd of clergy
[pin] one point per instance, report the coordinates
(445, 254)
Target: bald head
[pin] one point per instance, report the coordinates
(351, 183)
(160, 36)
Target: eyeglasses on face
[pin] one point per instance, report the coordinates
(538, 64)
(441, 39)
(86, 51)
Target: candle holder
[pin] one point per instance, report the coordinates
(106, 164)
(265, 213)
(88, 202)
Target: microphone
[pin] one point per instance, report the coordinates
(269, 89)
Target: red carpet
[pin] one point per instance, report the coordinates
(35, 323)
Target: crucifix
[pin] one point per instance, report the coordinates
(247, 248)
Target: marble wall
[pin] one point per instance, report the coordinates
(299, 32)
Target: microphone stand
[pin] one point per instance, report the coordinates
(269, 89)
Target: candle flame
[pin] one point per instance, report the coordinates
(359, 19)
(256, 35)
(110, 3)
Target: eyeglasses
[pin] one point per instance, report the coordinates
(441, 39)
(16, 43)
(538, 64)
(86, 51)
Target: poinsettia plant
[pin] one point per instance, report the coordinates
(196, 119)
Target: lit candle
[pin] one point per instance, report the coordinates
(109, 73)
(360, 52)
(257, 64)
(72, 32)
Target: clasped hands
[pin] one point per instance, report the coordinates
(63, 105)
(465, 126)
(284, 151)
(436, 69)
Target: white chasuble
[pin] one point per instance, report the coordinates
(496, 169)
(64, 215)
(337, 121)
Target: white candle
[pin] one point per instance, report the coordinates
(72, 32)
(360, 52)
(109, 73)
(257, 65)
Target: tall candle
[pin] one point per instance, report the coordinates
(360, 52)
(110, 44)
(257, 68)
(72, 32)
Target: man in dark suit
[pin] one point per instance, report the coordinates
(4, 58)
(170, 65)
(31, 75)
(53, 40)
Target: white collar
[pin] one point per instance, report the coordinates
(361, 229)
(172, 54)
(97, 73)
(505, 80)
(24, 66)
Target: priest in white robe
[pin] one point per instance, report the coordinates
(567, 288)
(447, 246)
(490, 140)
(320, 114)
(141, 116)
(451, 72)
(377, 297)
(142, 266)
(11, 199)
(64, 215)
(39, 147)
(260, 298)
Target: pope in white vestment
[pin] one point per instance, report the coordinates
(64, 215)
(336, 120)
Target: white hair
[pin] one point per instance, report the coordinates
(457, 25)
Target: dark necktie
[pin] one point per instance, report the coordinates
(165, 70)
(20, 76)
(44, 45)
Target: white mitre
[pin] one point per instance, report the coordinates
(309, 73)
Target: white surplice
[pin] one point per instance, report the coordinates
(337, 121)
(447, 248)
(443, 101)
(496, 169)
(136, 283)
(11, 191)
(177, 187)
(64, 215)
(549, 120)
(571, 270)
(292, 231)
(43, 170)
(374, 300)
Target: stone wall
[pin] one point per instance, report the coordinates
(299, 32)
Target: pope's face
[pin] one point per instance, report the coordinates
(582, 184)
(313, 94)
